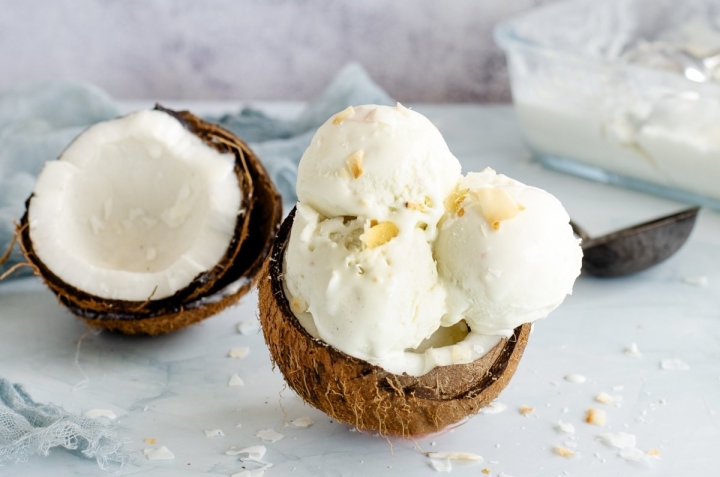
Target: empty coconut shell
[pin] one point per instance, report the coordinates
(209, 291)
(366, 396)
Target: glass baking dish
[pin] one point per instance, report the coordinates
(622, 91)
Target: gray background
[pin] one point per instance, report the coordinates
(418, 50)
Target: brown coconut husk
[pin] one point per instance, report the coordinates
(210, 291)
(366, 396)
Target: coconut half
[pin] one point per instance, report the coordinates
(366, 396)
(150, 222)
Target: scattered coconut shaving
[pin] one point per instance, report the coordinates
(486, 471)
(672, 364)
(161, 453)
(633, 351)
(254, 453)
(441, 465)
(596, 417)
(248, 326)
(699, 281)
(303, 422)
(150, 440)
(214, 433)
(636, 455)
(606, 398)
(240, 352)
(494, 408)
(526, 410)
(565, 427)
(95, 413)
(564, 451)
(455, 456)
(620, 440)
(496, 205)
(236, 380)
(269, 435)
(575, 378)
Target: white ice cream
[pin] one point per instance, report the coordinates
(370, 300)
(381, 163)
(505, 252)
(368, 271)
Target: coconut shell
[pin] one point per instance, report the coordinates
(210, 291)
(366, 396)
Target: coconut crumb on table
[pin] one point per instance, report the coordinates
(214, 433)
(565, 427)
(235, 380)
(564, 451)
(606, 398)
(526, 410)
(671, 364)
(633, 351)
(150, 440)
(619, 440)
(303, 422)
(248, 326)
(455, 456)
(269, 435)
(161, 453)
(597, 417)
(441, 465)
(575, 378)
(239, 352)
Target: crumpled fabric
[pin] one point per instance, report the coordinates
(29, 428)
(38, 123)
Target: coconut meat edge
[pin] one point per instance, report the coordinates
(135, 208)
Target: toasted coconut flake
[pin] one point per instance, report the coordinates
(564, 451)
(415, 206)
(455, 456)
(496, 205)
(343, 115)
(596, 417)
(150, 440)
(606, 398)
(355, 163)
(380, 234)
(653, 453)
(525, 410)
(454, 201)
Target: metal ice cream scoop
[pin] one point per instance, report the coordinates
(635, 248)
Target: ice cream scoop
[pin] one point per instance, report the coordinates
(354, 277)
(634, 249)
(380, 162)
(506, 253)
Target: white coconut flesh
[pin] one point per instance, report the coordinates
(135, 208)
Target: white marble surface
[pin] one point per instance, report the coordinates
(172, 388)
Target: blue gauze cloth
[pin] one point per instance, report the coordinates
(28, 428)
(37, 124)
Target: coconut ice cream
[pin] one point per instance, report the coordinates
(397, 259)
(506, 253)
